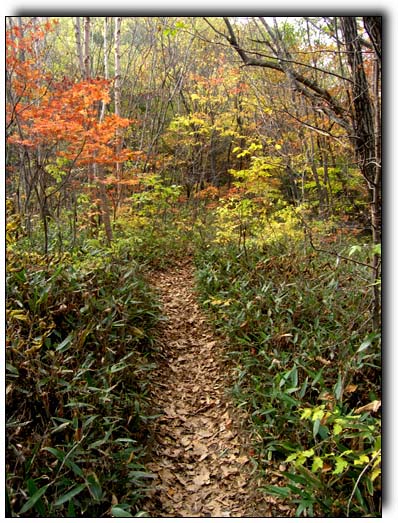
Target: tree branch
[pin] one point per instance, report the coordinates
(304, 85)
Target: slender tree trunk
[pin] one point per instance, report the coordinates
(79, 47)
(103, 197)
(314, 171)
(96, 170)
(106, 64)
(21, 29)
(87, 58)
(118, 168)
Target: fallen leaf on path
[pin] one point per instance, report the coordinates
(186, 441)
(166, 476)
(198, 451)
(199, 448)
(242, 460)
(228, 471)
(205, 434)
(203, 478)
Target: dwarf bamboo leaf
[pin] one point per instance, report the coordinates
(69, 495)
(33, 499)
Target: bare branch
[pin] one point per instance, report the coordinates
(306, 86)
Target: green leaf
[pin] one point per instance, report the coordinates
(317, 377)
(64, 345)
(303, 505)
(71, 509)
(119, 512)
(12, 369)
(369, 340)
(303, 388)
(315, 428)
(60, 455)
(32, 489)
(338, 388)
(57, 453)
(69, 495)
(323, 432)
(283, 492)
(354, 249)
(94, 486)
(296, 478)
(33, 499)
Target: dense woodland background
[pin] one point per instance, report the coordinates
(251, 145)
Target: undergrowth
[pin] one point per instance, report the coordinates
(79, 331)
(307, 363)
(307, 368)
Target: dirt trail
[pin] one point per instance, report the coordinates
(199, 455)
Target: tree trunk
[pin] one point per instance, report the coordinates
(366, 123)
(106, 65)
(87, 58)
(79, 47)
(118, 169)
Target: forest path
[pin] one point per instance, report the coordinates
(199, 454)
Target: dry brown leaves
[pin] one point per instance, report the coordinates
(199, 454)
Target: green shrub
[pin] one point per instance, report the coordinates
(78, 334)
(299, 326)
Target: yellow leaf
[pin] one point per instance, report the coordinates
(292, 457)
(375, 473)
(36, 347)
(22, 317)
(318, 413)
(18, 314)
(361, 460)
(131, 457)
(306, 413)
(137, 332)
(217, 302)
(341, 465)
(337, 429)
(317, 464)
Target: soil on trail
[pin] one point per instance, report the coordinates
(199, 457)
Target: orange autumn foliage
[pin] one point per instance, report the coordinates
(60, 116)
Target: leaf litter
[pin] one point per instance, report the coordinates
(200, 451)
